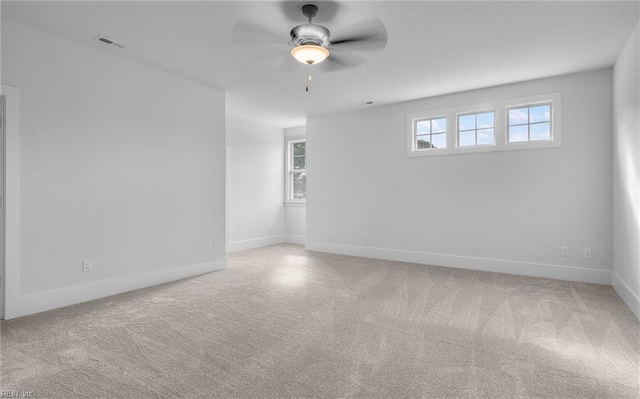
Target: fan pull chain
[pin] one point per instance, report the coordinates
(308, 79)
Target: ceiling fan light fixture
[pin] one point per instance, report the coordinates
(310, 53)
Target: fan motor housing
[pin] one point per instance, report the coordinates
(310, 34)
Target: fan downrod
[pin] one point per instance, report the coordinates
(309, 11)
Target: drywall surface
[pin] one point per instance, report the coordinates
(256, 213)
(508, 211)
(295, 214)
(626, 174)
(120, 164)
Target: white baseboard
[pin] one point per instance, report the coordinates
(296, 239)
(39, 302)
(464, 262)
(628, 296)
(255, 243)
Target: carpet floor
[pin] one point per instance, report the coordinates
(284, 322)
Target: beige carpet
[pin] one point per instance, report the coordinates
(283, 322)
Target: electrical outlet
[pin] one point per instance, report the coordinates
(86, 265)
(565, 251)
(366, 236)
(216, 246)
(269, 228)
(586, 253)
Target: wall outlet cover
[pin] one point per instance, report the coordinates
(86, 265)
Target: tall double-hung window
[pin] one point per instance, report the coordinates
(297, 171)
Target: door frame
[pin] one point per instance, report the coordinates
(11, 203)
(2, 202)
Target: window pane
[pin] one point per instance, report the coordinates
(518, 134)
(299, 162)
(485, 136)
(485, 120)
(541, 113)
(298, 148)
(299, 186)
(519, 116)
(467, 138)
(423, 142)
(439, 140)
(466, 122)
(439, 125)
(541, 131)
(297, 178)
(423, 127)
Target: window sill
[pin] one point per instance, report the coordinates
(526, 145)
(295, 203)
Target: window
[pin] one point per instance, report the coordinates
(476, 129)
(297, 171)
(530, 123)
(430, 133)
(500, 125)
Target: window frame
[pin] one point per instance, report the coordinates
(290, 171)
(529, 123)
(475, 113)
(430, 119)
(501, 126)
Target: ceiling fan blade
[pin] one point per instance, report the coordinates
(248, 32)
(338, 61)
(327, 10)
(370, 35)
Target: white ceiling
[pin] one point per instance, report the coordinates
(433, 47)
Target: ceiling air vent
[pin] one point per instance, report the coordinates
(110, 42)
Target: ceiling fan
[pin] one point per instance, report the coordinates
(313, 44)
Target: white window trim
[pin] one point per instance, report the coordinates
(501, 126)
(529, 123)
(476, 112)
(289, 201)
(431, 118)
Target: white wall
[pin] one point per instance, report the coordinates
(509, 211)
(295, 214)
(119, 163)
(626, 174)
(256, 187)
